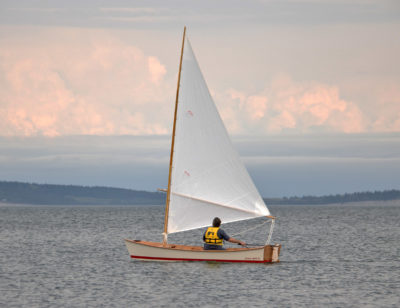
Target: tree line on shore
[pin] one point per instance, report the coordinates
(50, 194)
(385, 195)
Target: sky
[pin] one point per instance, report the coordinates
(309, 90)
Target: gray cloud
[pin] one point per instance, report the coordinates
(280, 166)
(208, 13)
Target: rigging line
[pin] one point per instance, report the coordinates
(271, 229)
(249, 229)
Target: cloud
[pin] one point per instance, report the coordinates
(281, 165)
(76, 81)
(289, 105)
(388, 104)
(135, 10)
(81, 82)
(156, 69)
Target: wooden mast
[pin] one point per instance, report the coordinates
(172, 144)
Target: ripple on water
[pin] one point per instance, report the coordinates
(337, 256)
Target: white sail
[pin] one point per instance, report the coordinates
(208, 178)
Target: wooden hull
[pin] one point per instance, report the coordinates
(152, 251)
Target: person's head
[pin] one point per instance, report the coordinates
(216, 222)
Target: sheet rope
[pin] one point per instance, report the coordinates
(252, 228)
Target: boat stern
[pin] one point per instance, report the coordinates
(271, 253)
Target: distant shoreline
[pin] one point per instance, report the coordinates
(355, 203)
(389, 203)
(5, 204)
(19, 193)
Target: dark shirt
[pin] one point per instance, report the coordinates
(221, 234)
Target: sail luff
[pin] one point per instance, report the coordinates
(173, 143)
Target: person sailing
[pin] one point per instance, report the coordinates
(214, 237)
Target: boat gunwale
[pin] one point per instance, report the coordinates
(163, 259)
(192, 248)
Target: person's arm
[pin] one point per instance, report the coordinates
(226, 237)
(233, 240)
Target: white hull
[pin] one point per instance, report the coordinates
(151, 251)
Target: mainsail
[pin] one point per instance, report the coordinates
(208, 179)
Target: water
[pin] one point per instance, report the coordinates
(332, 256)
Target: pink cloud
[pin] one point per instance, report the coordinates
(156, 69)
(81, 83)
(256, 106)
(388, 104)
(74, 81)
(291, 105)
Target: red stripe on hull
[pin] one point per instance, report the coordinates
(213, 260)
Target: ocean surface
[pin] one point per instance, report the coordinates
(332, 256)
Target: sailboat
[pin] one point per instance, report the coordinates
(206, 178)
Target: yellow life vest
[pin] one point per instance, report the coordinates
(211, 236)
